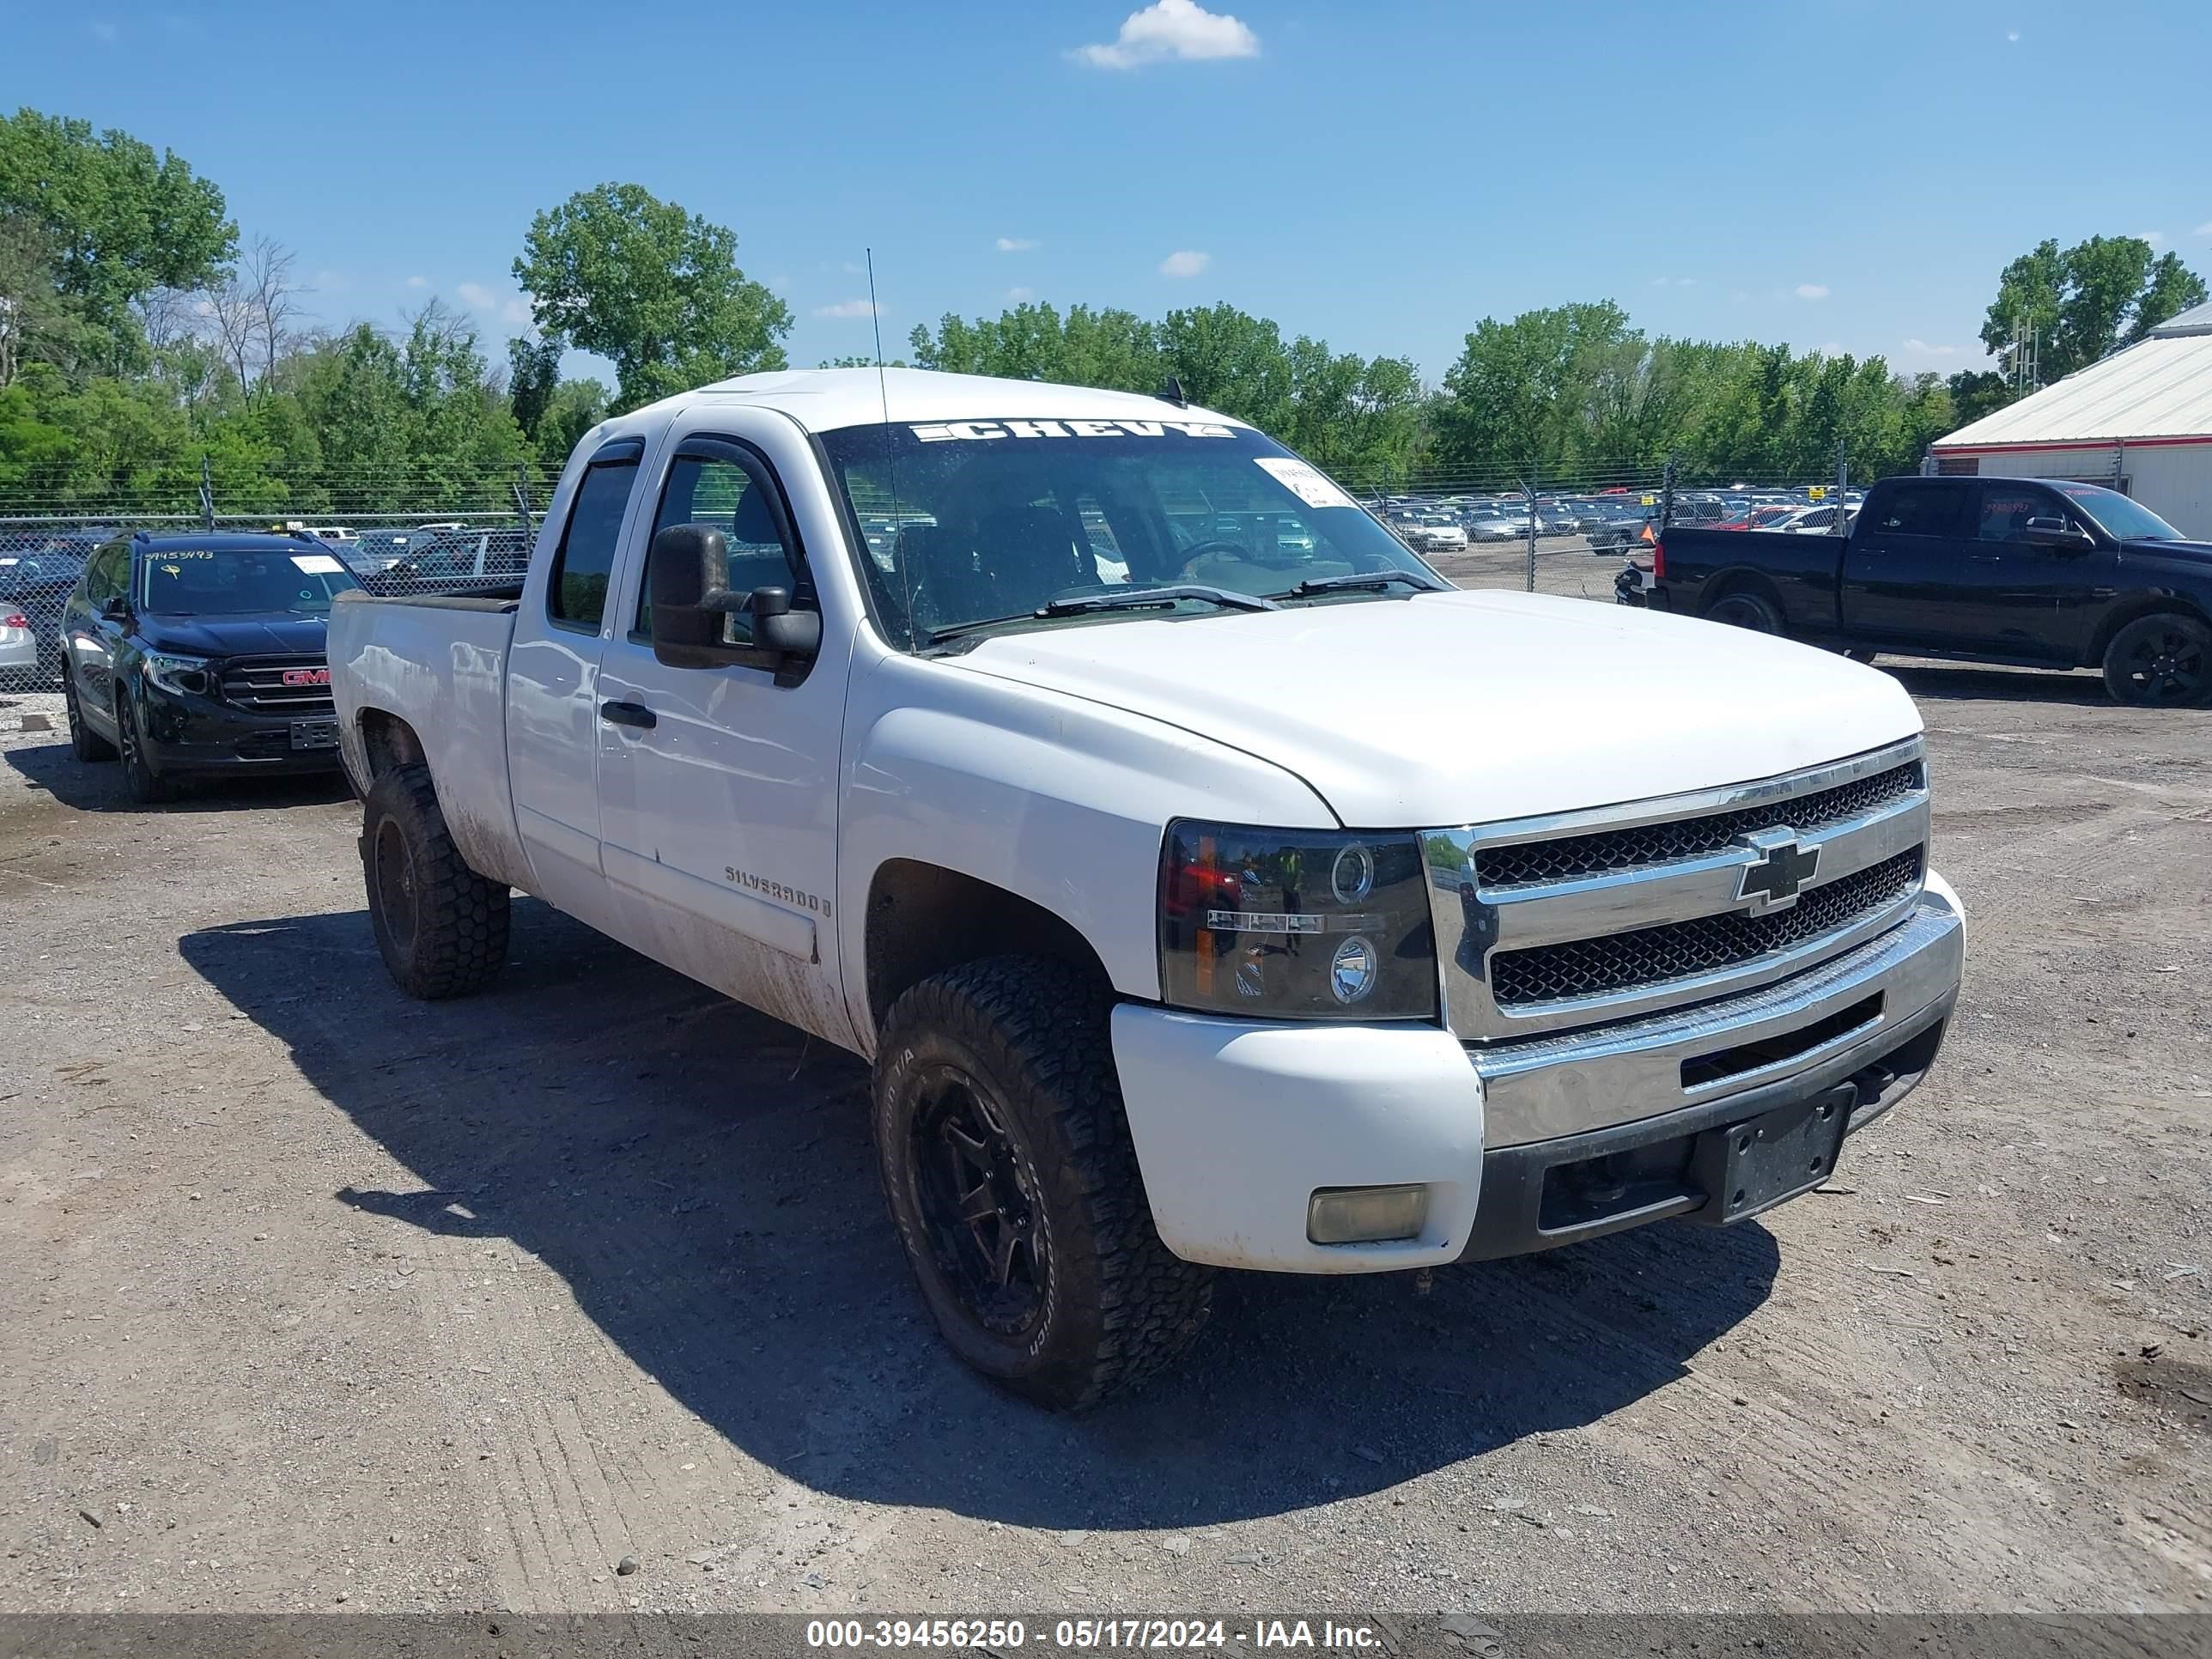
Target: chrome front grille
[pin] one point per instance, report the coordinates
(1594, 854)
(1582, 918)
(258, 683)
(1685, 949)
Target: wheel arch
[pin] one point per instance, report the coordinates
(2134, 608)
(923, 919)
(386, 742)
(1740, 579)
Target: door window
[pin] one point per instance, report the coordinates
(109, 570)
(730, 491)
(2007, 508)
(577, 590)
(1922, 509)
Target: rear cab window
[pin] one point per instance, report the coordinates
(583, 564)
(1928, 508)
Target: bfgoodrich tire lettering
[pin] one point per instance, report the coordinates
(440, 927)
(1001, 1073)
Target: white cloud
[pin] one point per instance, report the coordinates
(1812, 290)
(1921, 349)
(1185, 261)
(330, 281)
(1172, 28)
(477, 296)
(1739, 296)
(418, 281)
(2205, 229)
(847, 308)
(516, 310)
(2154, 237)
(1020, 295)
(2013, 35)
(778, 283)
(104, 32)
(1015, 244)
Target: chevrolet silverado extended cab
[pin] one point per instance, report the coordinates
(2040, 573)
(1209, 883)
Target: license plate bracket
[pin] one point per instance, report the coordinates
(314, 734)
(1748, 1167)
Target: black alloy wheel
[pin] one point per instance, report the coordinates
(2159, 660)
(978, 1201)
(398, 906)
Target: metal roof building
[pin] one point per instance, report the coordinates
(2141, 416)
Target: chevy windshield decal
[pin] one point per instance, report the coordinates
(977, 431)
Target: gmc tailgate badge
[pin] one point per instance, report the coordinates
(1772, 882)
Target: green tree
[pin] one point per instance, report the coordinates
(120, 221)
(617, 271)
(2086, 300)
(533, 370)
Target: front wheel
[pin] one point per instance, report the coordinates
(2162, 659)
(1008, 1167)
(140, 780)
(441, 928)
(1745, 609)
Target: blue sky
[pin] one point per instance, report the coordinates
(1381, 175)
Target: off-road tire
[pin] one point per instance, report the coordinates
(140, 780)
(1745, 608)
(2168, 636)
(1117, 1305)
(85, 743)
(441, 928)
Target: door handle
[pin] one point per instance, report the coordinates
(628, 714)
(1984, 558)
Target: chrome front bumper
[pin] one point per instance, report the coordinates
(1831, 1020)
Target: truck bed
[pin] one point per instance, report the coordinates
(1797, 572)
(437, 662)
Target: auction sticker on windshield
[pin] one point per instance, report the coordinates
(317, 564)
(1314, 488)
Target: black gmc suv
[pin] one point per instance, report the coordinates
(2039, 573)
(191, 655)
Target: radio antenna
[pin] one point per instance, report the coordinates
(890, 452)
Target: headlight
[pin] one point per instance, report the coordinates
(185, 676)
(1295, 924)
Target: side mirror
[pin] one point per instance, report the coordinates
(689, 563)
(778, 627)
(2056, 533)
(115, 608)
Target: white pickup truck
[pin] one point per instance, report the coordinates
(1209, 883)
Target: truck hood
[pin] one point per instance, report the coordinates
(1462, 707)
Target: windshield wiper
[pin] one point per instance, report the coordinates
(1138, 599)
(1357, 580)
(1125, 599)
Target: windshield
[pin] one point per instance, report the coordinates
(974, 520)
(2118, 516)
(197, 581)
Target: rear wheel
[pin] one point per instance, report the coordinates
(145, 785)
(441, 928)
(1860, 654)
(85, 743)
(2162, 659)
(1009, 1170)
(1745, 608)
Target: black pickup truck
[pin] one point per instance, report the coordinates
(2033, 572)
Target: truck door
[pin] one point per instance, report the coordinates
(718, 786)
(553, 692)
(2022, 600)
(1903, 564)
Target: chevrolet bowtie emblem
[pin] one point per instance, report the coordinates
(1784, 866)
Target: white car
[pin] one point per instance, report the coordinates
(1186, 922)
(1436, 537)
(19, 646)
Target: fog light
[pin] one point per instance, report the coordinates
(1366, 1215)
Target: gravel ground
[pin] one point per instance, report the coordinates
(313, 1295)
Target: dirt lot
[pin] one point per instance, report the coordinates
(313, 1295)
